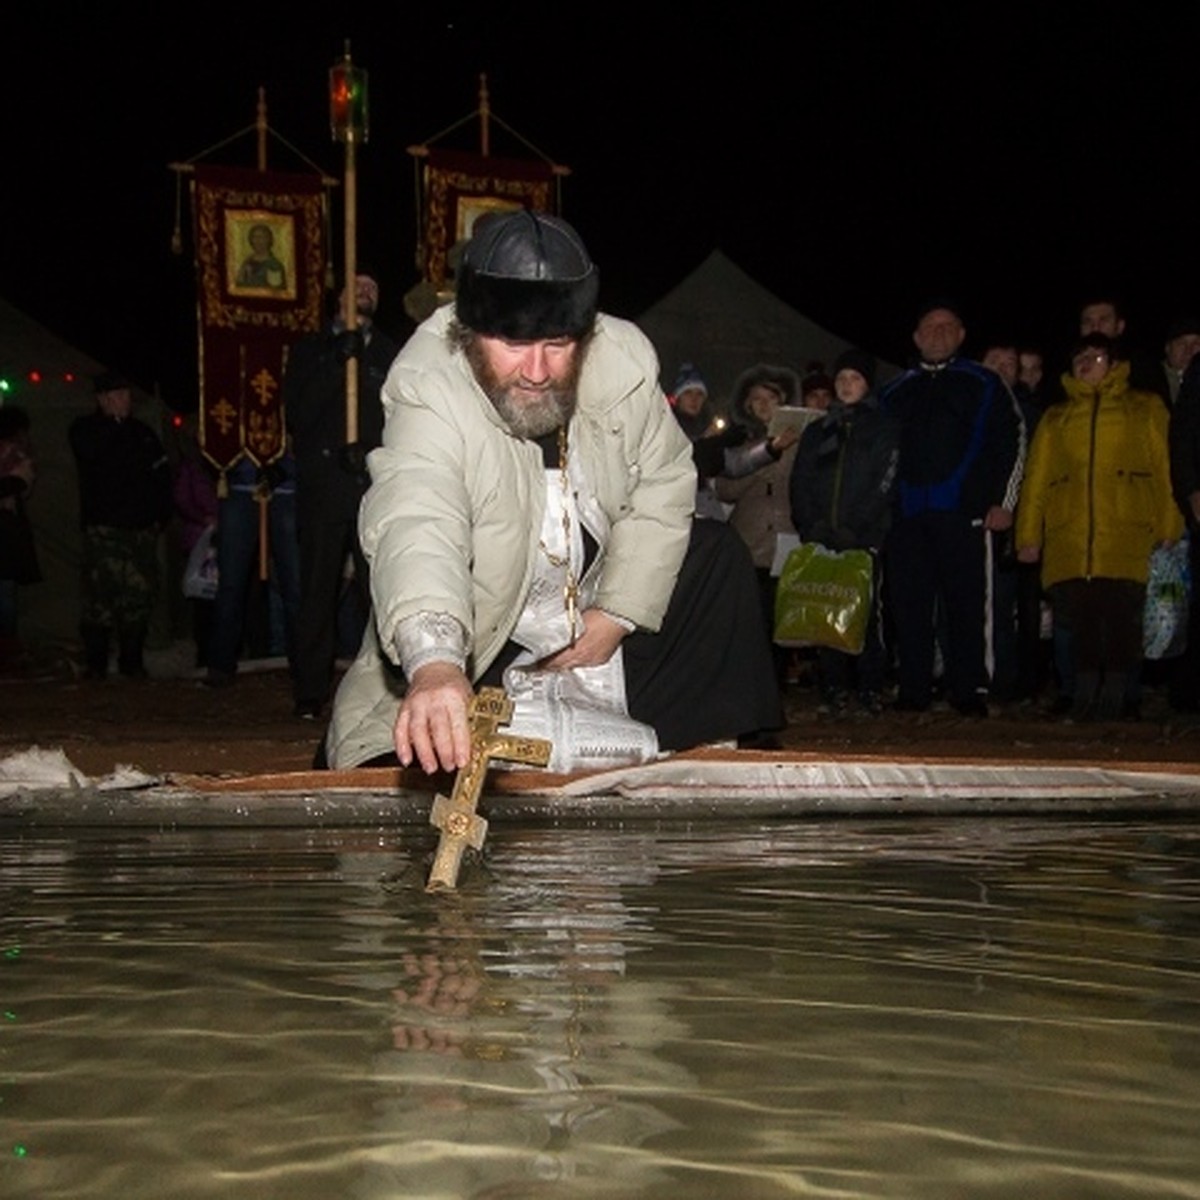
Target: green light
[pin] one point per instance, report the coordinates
(13, 952)
(20, 1150)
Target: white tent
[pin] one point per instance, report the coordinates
(723, 321)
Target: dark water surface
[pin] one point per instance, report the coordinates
(831, 1008)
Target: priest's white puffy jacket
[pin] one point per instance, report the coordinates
(454, 512)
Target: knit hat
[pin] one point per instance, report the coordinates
(109, 381)
(815, 381)
(688, 377)
(525, 276)
(1181, 326)
(856, 360)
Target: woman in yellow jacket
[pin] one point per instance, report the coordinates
(1095, 501)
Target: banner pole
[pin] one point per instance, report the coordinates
(350, 290)
(261, 127)
(262, 496)
(348, 118)
(485, 114)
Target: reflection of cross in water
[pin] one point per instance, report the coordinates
(460, 824)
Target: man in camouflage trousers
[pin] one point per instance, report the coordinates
(125, 501)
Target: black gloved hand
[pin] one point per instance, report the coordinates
(353, 460)
(347, 345)
(709, 456)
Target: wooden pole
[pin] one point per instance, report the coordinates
(350, 291)
(264, 532)
(260, 126)
(263, 495)
(485, 117)
(348, 117)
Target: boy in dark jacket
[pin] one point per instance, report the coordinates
(841, 497)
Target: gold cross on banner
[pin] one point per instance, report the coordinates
(461, 826)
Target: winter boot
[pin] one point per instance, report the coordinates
(129, 653)
(12, 656)
(1110, 703)
(1083, 705)
(95, 651)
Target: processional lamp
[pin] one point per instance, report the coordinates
(349, 122)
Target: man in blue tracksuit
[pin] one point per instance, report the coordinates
(962, 451)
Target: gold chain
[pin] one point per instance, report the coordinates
(571, 587)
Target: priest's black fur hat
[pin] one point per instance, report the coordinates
(525, 276)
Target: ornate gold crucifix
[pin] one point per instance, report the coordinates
(456, 817)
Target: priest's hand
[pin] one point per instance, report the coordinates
(434, 723)
(595, 645)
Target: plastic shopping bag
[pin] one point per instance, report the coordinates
(200, 574)
(1165, 617)
(824, 598)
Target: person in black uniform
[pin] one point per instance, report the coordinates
(331, 477)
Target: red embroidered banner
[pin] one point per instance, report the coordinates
(461, 187)
(260, 268)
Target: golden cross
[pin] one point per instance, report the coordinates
(225, 415)
(461, 826)
(264, 387)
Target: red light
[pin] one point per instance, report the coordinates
(68, 377)
(176, 421)
(35, 377)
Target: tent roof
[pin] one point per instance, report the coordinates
(723, 321)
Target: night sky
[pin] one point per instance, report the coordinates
(855, 165)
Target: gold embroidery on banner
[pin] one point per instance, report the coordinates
(225, 416)
(263, 435)
(264, 386)
(444, 186)
(222, 311)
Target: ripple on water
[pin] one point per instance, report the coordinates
(881, 1008)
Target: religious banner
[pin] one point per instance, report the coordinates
(459, 188)
(260, 267)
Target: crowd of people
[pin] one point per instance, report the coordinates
(268, 551)
(523, 495)
(1011, 516)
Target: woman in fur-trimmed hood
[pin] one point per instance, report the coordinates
(781, 380)
(759, 498)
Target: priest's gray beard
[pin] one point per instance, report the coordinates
(528, 412)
